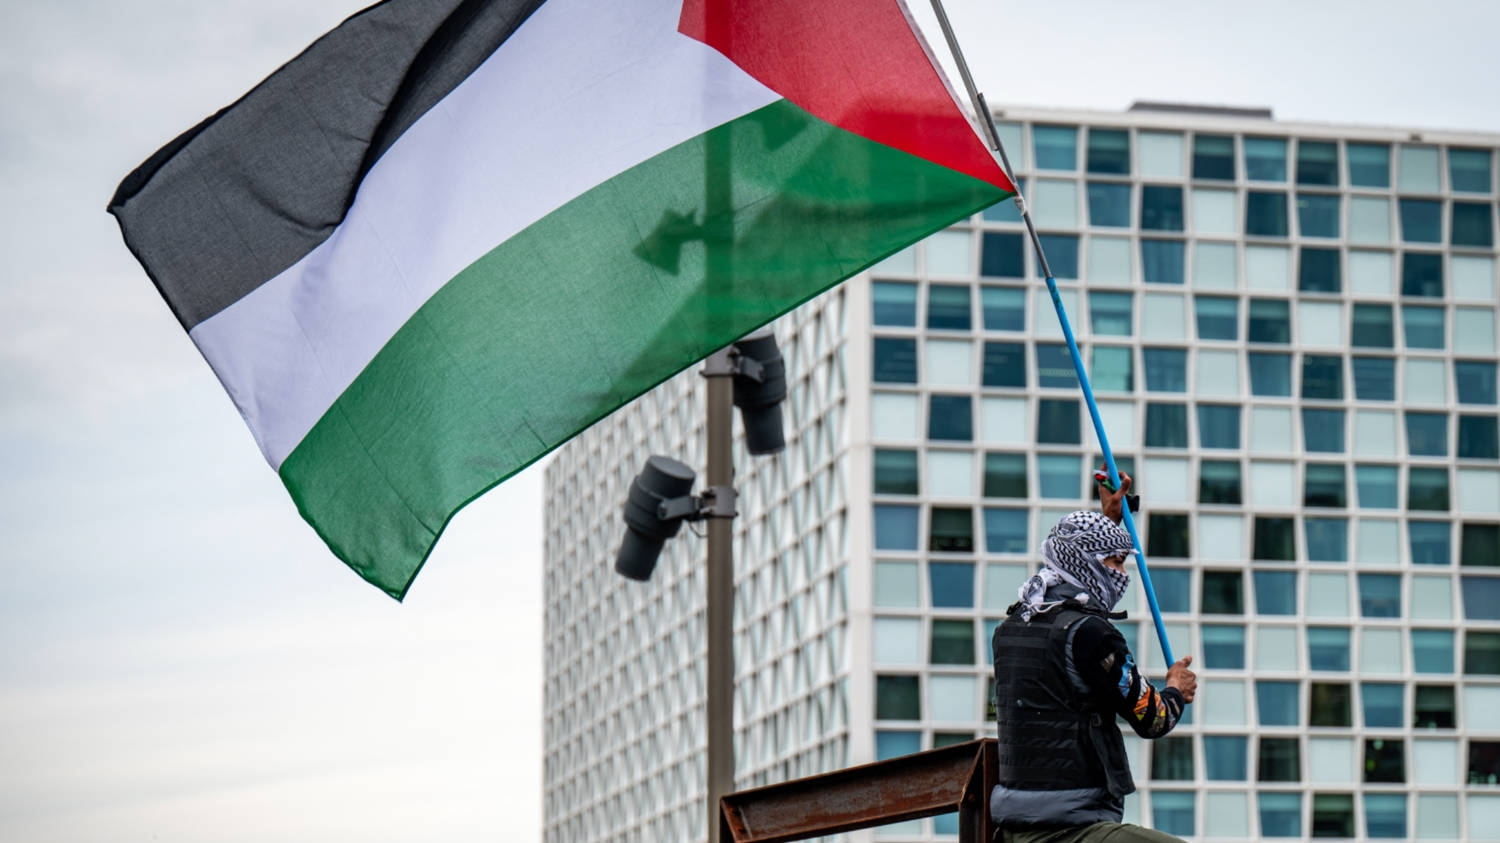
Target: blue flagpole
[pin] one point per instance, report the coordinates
(988, 123)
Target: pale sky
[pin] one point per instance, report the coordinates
(180, 658)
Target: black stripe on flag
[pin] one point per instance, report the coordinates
(248, 192)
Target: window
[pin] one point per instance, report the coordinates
(1265, 213)
(1224, 647)
(895, 527)
(1112, 369)
(895, 472)
(1484, 762)
(1380, 595)
(1160, 154)
(1318, 215)
(951, 584)
(1174, 589)
(1109, 204)
(1317, 162)
(1432, 650)
(1471, 225)
(1327, 539)
(952, 642)
(1161, 207)
(1480, 545)
(895, 360)
(1058, 422)
(1162, 261)
(1476, 381)
(1423, 326)
(1166, 426)
(895, 303)
(1172, 759)
(889, 744)
(1333, 815)
(1218, 426)
(1370, 222)
(1213, 157)
(1385, 815)
(1004, 308)
(1369, 165)
(1323, 377)
(1319, 271)
(1006, 211)
(1418, 169)
(1056, 147)
(1223, 593)
(1427, 489)
(897, 698)
(1111, 313)
(1421, 274)
(1274, 539)
(1225, 758)
(1001, 255)
(1328, 649)
(1265, 159)
(1109, 151)
(1270, 321)
(1481, 597)
(1427, 434)
(1383, 705)
(1054, 366)
(1004, 364)
(1431, 542)
(1323, 431)
(1166, 369)
(1005, 531)
(1173, 812)
(1062, 254)
(1059, 475)
(1276, 703)
(1280, 813)
(1324, 485)
(1376, 485)
(1469, 170)
(952, 532)
(948, 307)
(1219, 482)
(1275, 592)
(1005, 476)
(1374, 378)
(1280, 761)
(896, 585)
(1434, 708)
(950, 418)
(1218, 317)
(1481, 653)
(1167, 536)
(1270, 374)
(1372, 326)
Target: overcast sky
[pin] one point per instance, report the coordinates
(180, 658)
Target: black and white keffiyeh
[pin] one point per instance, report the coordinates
(1073, 554)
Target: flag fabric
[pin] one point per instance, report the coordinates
(450, 235)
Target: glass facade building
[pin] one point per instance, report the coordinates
(1291, 333)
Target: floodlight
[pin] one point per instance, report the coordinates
(660, 499)
(759, 389)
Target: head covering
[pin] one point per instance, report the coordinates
(1074, 554)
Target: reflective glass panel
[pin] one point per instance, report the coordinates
(1431, 542)
(1380, 595)
(952, 531)
(1160, 154)
(895, 527)
(895, 303)
(952, 642)
(1270, 373)
(1109, 151)
(1323, 430)
(1371, 326)
(1172, 759)
(1054, 366)
(896, 585)
(1004, 308)
(1480, 545)
(1369, 164)
(948, 307)
(1219, 482)
(895, 360)
(1427, 434)
(1472, 225)
(1270, 321)
(1109, 204)
(1469, 170)
(1162, 261)
(1275, 592)
(1059, 475)
(1317, 162)
(1224, 593)
(1421, 274)
(1324, 485)
(1161, 207)
(1377, 486)
(1328, 649)
(1383, 705)
(1215, 266)
(1062, 254)
(1001, 255)
(1323, 376)
(1218, 317)
(1167, 536)
(1265, 213)
(1274, 539)
(1482, 658)
(1280, 813)
(1333, 815)
(1421, 220)
(1005, 476)
(1369, 219)
(895, 472)
(1318, 215)
(1265, 159)
(1432, 650)
(1225, 758)
(1110, 313)
(1385, 815)
(1224, 647)
(1218, 425)
(1327, 539)
(1172, 812)
(1113, 369)
(1374, 378)
(1174, 589)
(1006, 531)
(1058, 421)
(1005, 210)
(1433, 706)
(1481, 598)
(1280, 761)
(1166, 426)
(1476, 381)
(1004, 364)
(1319, 271)
(895, 744)
(1418, 169)
(1276, 703)
(1166, 369)
(897, 698)
(1427, 489)
(1056, 147)
(950, 418)
(1213, 157)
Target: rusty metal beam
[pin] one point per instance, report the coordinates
(954, 778)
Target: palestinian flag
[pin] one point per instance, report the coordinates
(451, 235)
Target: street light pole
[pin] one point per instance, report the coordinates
(719, 371)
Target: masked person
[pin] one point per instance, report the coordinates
(1062, 674)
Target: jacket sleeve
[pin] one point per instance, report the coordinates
(1106, 666)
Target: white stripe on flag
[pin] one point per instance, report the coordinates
(581, 92)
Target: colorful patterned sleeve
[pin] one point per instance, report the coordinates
(1107, 667)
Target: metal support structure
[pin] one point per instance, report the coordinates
(987, 120)
(718, 371)
(939, 781)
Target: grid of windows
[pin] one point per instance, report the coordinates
(1292, 343)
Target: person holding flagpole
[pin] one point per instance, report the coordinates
(1062, 674)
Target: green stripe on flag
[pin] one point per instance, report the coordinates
(564, 323)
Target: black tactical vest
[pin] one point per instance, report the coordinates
(1052, 735)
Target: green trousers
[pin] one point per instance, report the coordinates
(1096, 833)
